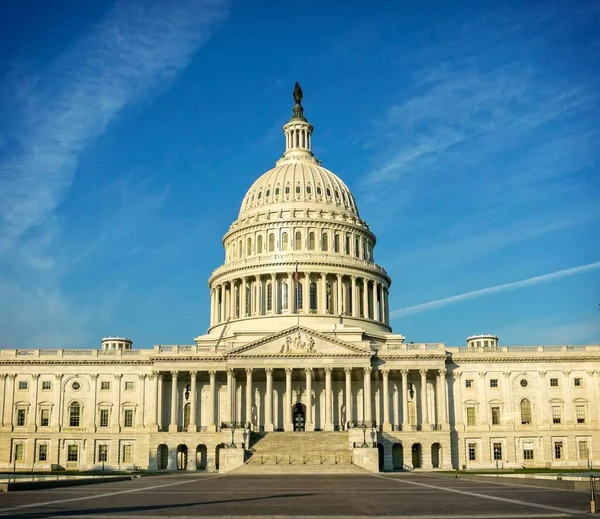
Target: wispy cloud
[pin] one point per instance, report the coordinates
(423, 307)
(133, 51)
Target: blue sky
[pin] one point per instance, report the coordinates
(130, 131)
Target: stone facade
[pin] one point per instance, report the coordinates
(300, 340)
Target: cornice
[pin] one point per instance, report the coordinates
(501, 360)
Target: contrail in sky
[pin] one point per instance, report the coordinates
(423, 307)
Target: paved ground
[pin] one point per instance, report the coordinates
(389, 495)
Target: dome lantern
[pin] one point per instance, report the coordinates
(298, 131)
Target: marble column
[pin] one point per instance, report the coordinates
(141, 397)
(323, 302)
(117, 394)
(367, 416)
(353, 299)
(365, 298)
(269, 401)
(386, 401)
(193, 403)
(57, 408)
(328, 407)
(212, 427)
(288, 426)
(348, 395)
(232, 308)
(173, 422)
(383, 305)
(230, 389)
(249, 397)
(339, 302)
(405, 422)
(290, 293)
(243, 309)
(151, 421)
(424, 406)
(441, 397)
(32, 418)
(309, 425)
(159, 402)
(222, 303)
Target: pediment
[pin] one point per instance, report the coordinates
(298, 341)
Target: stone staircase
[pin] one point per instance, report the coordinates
(299, 453)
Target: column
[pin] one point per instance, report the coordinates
(375, 312)
(141, 396)
(348, 395)
(323, 306)
(93, 394)
(151, 420)
(230, 414)
(339, 302)
(306, 293)
(232, 299)
(367, 416)
(211, 401)
(243, 309)
(545, 422)
(386, 401)
(269, 401)
(2, 397)
(291, 293)
(383, 305)
(222, 302)
(387, 305)
(458, 401)
(443, 398)
(249, 396)
(212, 307)
(424, 407)
(275, 293)
(309, 425)
(56, 411)
(259, 295)
(328, 422)
(353, 298)
(288, 426)
(173, 422)
(117, 393)
(193, 403)
(405, 423)
(365, 298)
(159, 401)
(32, 418)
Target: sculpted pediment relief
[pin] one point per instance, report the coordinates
(298, 342)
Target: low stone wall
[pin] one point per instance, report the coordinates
(12, 486)
(230, 459)
(366, 458)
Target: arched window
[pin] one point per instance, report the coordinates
(364, 249)
(271, 242)
(298, 189)
(259, 244)
(311, 241)
(298, 245)
(319, 190)
(324, 242)
(269, 297)
(313, 296)
(284, 296)
(299, 296)
(240, 248)
(284, 241)
(248, 246)
(329, 305)
(277, 191)
(237, 302)
(336, 243)
(525, 411)
(248, 299)
(356, 247)
(74, 414)
(347, 245)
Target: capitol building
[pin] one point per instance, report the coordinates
(299, 370)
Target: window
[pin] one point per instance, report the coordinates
(578, 382)
(103, 417)
(129, 386)
(43, 452)
(328, 192)
(497, 451)
(19, 452)
(580, 413)
(584, 452)
(356, 248)
(277, 191)
(76, 386)
(319, 190)
(471, 416)
(74, 415)
(336, 243)
(493, 382)
(311, 241)
(525, 412)
(267, 192)
(472, 452)
(248, 300)
(558, 450)
(527, 450)
(269, 297)
(469, 383)
(553, 382)
(556, 414)
(287, 190)
(495, 416)
(324, 243)
(45, 417)
(313, 296)
(23, 385)
(284, 241)
(104, 386)
(298, 241)
(284, 296)
(73, 453)
(46, 385)
(248, 246)
(298, 189)
(308, 190)
(299, 296)
(523, 382)
(21, 417)
(271, 242)
(127, 453)
(102, 453)
(347, 245)
(128, 418)
(259, 245)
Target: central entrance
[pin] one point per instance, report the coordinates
(299, 416)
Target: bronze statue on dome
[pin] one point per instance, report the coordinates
(298, 95)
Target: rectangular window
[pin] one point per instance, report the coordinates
(468, 383)
(21, 417)
(46, 385)
(578, 382)
(73, 453)
(129, 386)
(128, 421)
(472, 452)
(19, 452)
(104, 386)
(497, 451)
(493, 382)
(103, 417)
(556, 414)
(553, 382)
(584, 452)
(23, 385)
(558, 450)
(471, 416)
(495, 416)
(102, 453)
(580, 413)
(527, 450)
(127, 453)
(45, 418)
(43, 452)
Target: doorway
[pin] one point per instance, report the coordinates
(416, 455)
(299, 416)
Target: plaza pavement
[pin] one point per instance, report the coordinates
(192, 496)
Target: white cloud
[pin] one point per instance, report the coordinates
(423, 307)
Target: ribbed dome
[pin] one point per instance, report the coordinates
(299, 183)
